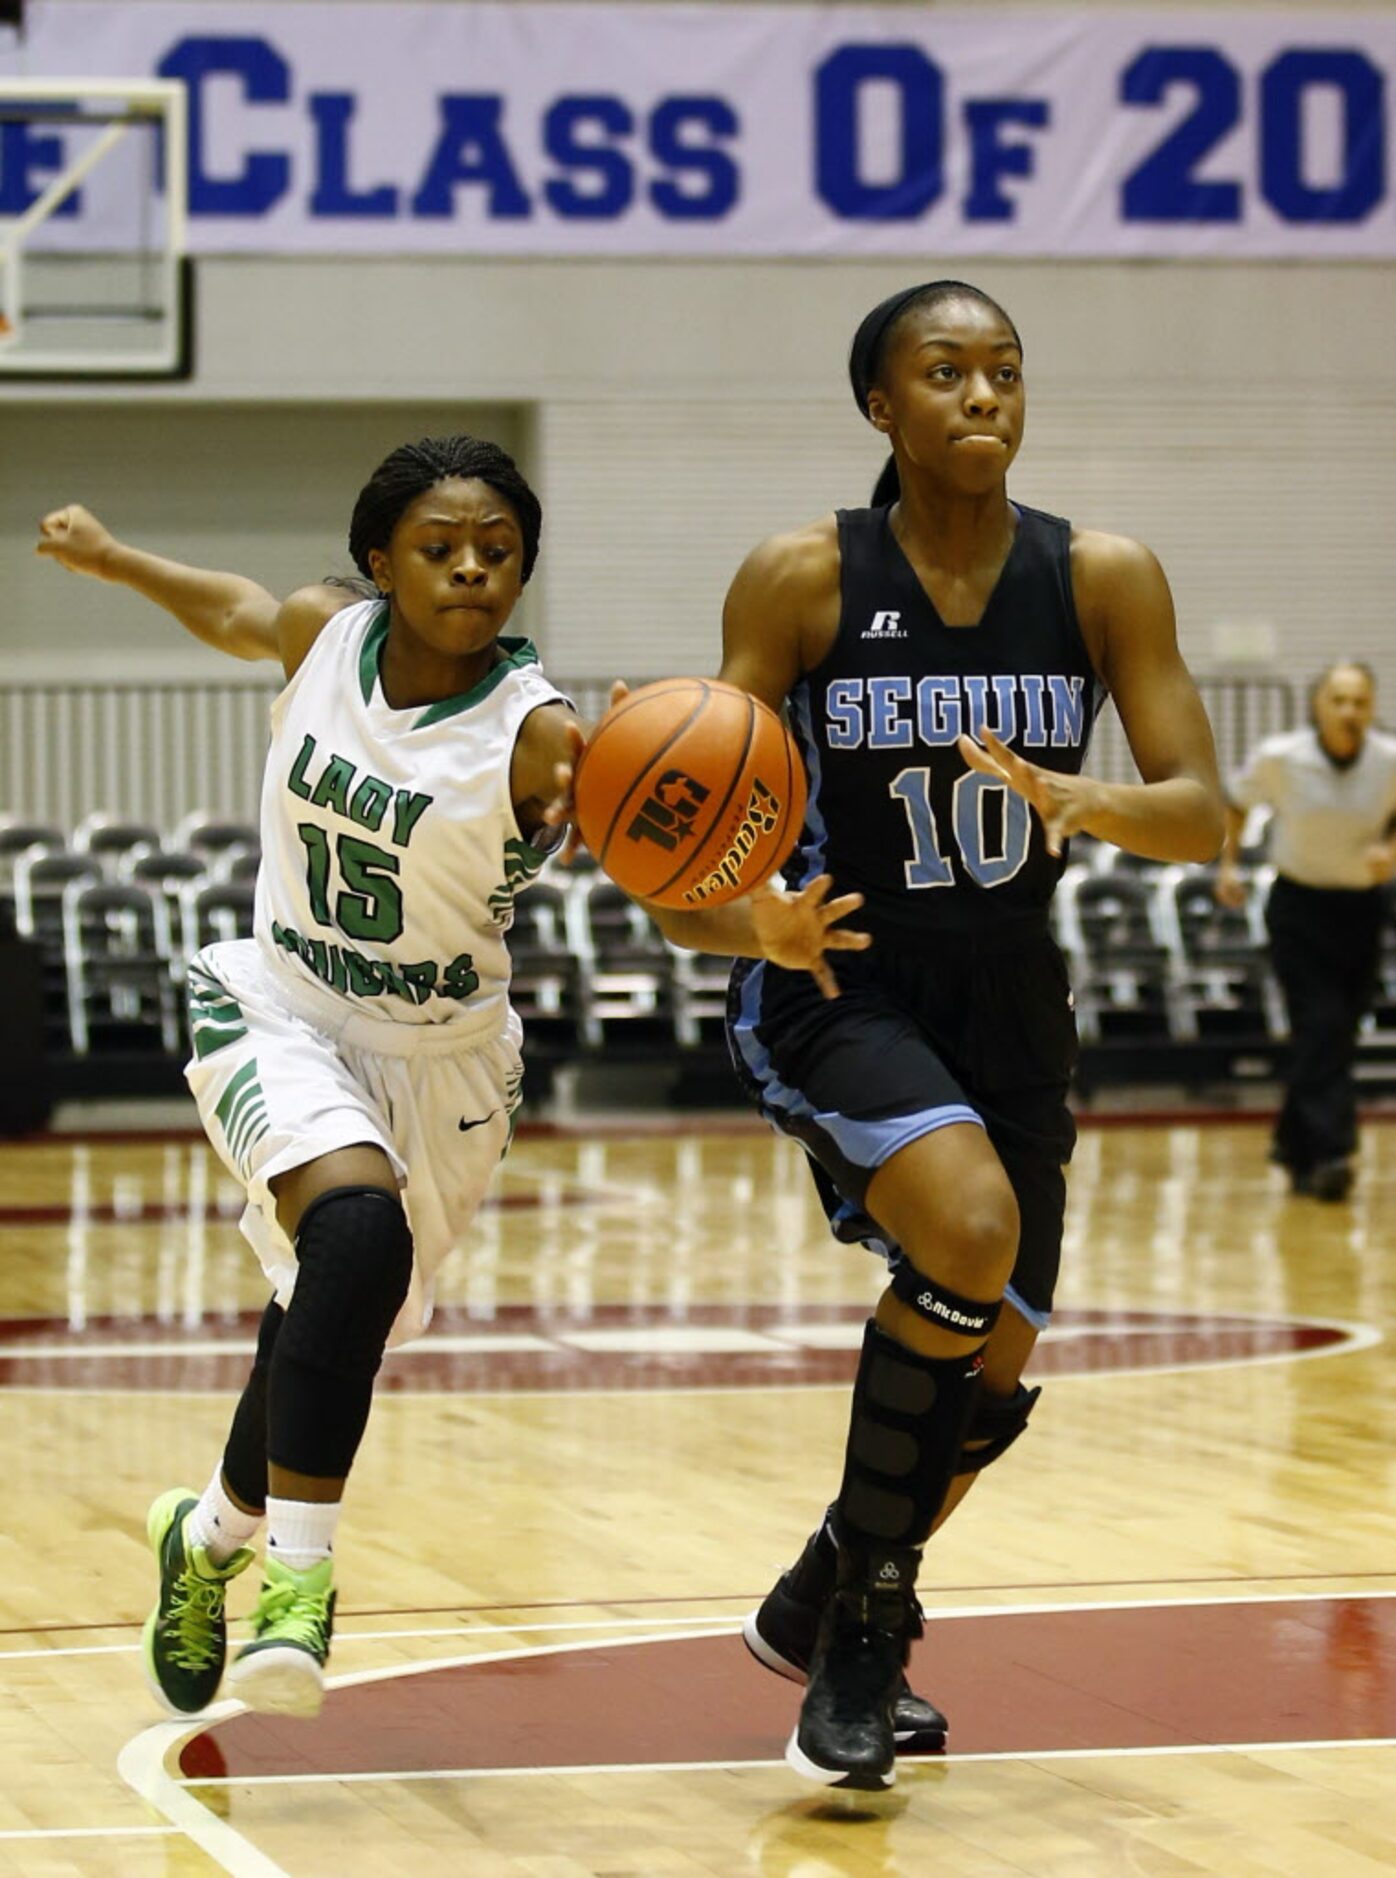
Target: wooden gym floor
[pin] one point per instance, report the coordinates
(1164, 1627)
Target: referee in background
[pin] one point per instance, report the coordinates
(1332, 790)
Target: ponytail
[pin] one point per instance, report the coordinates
(888, 487)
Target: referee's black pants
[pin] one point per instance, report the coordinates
(1324, 944)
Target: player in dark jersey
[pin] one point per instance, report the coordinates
(941, 655)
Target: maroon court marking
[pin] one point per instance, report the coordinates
(221, 1213)
(1100, 1341)
(1150, 1676)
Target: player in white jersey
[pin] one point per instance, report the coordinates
(1331, 787)
(356, 1063)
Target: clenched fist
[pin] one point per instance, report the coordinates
(76, 539)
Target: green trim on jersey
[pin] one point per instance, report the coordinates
(518, 652)
(371, 651)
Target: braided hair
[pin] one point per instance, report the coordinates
(869, 350)
(416, 467)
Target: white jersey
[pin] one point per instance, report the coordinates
(1326, 814)
(390, 850)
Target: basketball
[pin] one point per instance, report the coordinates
(690, 793)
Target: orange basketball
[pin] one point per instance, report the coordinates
(690, 792)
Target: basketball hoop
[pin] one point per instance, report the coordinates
(93, 273)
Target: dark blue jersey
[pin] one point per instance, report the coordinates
(895, 812)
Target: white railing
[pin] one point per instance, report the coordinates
(158, 751)
(151, 751)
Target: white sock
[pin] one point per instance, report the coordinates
(218, 1524)
(301, 1532)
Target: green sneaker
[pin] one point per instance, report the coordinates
(282, 1670)
(185, 1638)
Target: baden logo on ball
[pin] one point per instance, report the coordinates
(690, 792)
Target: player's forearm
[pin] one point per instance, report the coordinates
(227, 611)
(1180, 819)
(1231, 837)
(728, 931)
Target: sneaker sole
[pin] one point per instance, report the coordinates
(909, 1741)
(858, 1780)
(766, 1655)
(279, 1682)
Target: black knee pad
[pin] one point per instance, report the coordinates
(996, 1424)
(909, 1418)
(354, 1264)
(245, 1456)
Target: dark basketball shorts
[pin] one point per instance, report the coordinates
(918, 1040)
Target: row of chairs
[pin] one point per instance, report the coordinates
(1153, 954)
(586, 962)
(114, 839)
(116, 909)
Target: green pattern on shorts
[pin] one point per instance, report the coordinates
(215, 1016)
(242, 1110)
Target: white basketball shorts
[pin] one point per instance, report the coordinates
(276, 1088)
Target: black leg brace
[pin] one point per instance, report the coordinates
(910, 1413)
(354, 1251)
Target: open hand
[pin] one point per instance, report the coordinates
(1064, 803)
(797, 930)
(560, 809)
(74, 538)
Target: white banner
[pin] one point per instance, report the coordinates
(920, 133)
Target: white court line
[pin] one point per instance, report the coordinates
(463, 1632)
(141, 1762)
(1356, 1337)
(91, 1832)
(569, 1769)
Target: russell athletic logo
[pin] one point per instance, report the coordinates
(885, 626)
(666, 816)
(760, 817)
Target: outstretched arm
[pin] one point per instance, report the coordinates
(1176, 812)
(226, 611)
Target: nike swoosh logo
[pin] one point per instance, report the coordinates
(464, 1126)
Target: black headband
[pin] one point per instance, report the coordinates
(863, 357)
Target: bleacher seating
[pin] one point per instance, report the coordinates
(1122, 971)
(214, 909)
(627, 968)
(118, 908)
(112, 838)
(213, 834)
(547, 982)
(117, 956)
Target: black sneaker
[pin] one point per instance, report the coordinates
(781, 1633)
(844, 1737)
(1330, 1180)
